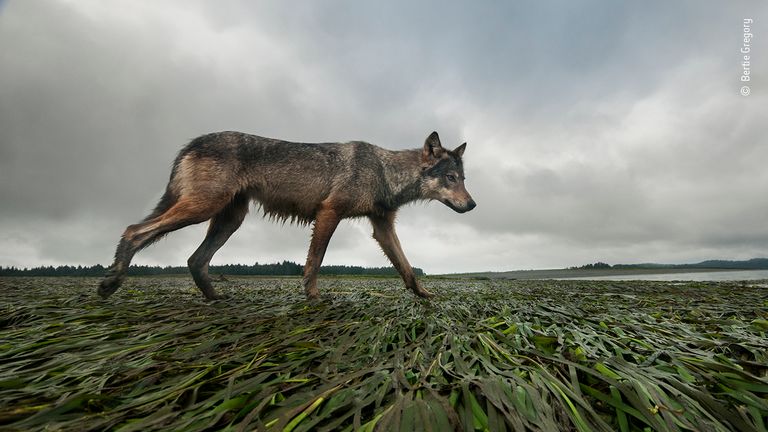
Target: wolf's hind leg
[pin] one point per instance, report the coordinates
(384, 233)
(129, 244)
(116, 272)
(186, 211)
(222, 226)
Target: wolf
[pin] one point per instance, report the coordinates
(216, 176)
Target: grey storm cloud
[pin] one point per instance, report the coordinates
(597, 131)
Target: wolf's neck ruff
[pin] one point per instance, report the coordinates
(402, 174)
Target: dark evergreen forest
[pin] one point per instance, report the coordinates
(285, 268)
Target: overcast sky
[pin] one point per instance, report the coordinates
(596, 130)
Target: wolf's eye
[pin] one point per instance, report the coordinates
(451, 178)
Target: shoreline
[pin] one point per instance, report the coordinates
(586, 273)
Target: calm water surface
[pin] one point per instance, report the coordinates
(701, 276)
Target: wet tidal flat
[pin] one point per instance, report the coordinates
(483, 355)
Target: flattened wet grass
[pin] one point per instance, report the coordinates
(483, 355)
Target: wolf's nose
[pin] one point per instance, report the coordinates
(471, 204)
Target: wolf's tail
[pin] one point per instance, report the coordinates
(170, 197)
(166, 202)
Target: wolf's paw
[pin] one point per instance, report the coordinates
(313, 294)
(217, 297)
(108, 286)
(421, 292)
(314, 300)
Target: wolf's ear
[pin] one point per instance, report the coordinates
(432, 147)
(460, 149)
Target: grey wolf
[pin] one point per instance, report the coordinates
(216, 176)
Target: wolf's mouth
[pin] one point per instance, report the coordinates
(454, 208)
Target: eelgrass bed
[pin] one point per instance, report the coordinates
(483, 355)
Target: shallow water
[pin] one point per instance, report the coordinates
(698, 276)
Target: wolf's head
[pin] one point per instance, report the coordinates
(442, 175)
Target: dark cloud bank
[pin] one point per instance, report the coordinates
(596, 131)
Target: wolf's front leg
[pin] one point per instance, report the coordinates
(326, 222)
(384, 233)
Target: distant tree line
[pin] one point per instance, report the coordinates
(285, 268)
(595, 266)
(752, 264)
